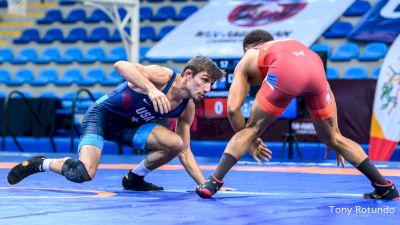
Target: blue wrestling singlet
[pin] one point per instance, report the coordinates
(123, 116)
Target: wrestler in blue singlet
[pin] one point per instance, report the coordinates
(123, 116)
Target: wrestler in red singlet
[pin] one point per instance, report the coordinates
(290, 69)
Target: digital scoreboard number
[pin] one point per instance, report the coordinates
(215, 108)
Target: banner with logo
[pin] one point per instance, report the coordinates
(381, 23)
(217, 30)
(385, 125)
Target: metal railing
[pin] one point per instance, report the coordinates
(73, 111)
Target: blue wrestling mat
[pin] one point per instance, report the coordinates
(274, 193)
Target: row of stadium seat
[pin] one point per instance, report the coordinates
(358, 8)
(98, 76)
(373, 51)
(71, 55)
(68, 96)
(146, 13)
(82, 104)
(80, 34)
(73, 2)
(69, 77)
(339, 29)
(355, 72)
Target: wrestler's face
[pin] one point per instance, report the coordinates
(199, 84)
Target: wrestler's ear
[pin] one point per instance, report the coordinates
(188, 73)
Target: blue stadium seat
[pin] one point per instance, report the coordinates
(48, 94)
(69, 96)
(27, 36)
(373, 51)
(116, 54)
(185, 12)
(75, 34)
(2, 95)
(375, 73)
(345, 52)
(164, 13)
(74, 16)
(78, 56)
(66, 99)
(4, 76)
(358, 8)
(92, 77)
(114, 37)
(112, 79)
(43, 59)
(24, 76)
(49, 55)
(97, 16)
(332, 73)
(98, 34)
(355, 73)
(6, 54)
(96, 53)
(319, 47)
(54, 55)
(83, 105)
(26, 94)
(69, 77)
(339, 29)
(45, 77)
(147, 33)
(53, 15)
(122, 13)
(164, 31)
(26, 55)
(142, 53)
(146, 13)
(53, 34)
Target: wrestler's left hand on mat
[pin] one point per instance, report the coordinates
(227, 189)
(259, 150)
(160, 101)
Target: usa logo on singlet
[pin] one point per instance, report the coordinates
(261, 12)
(144, 114)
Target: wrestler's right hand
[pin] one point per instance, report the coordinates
(160, 101)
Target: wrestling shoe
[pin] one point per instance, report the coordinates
(385, 192)
(135, 182)
(26, 168)
(209, 188)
